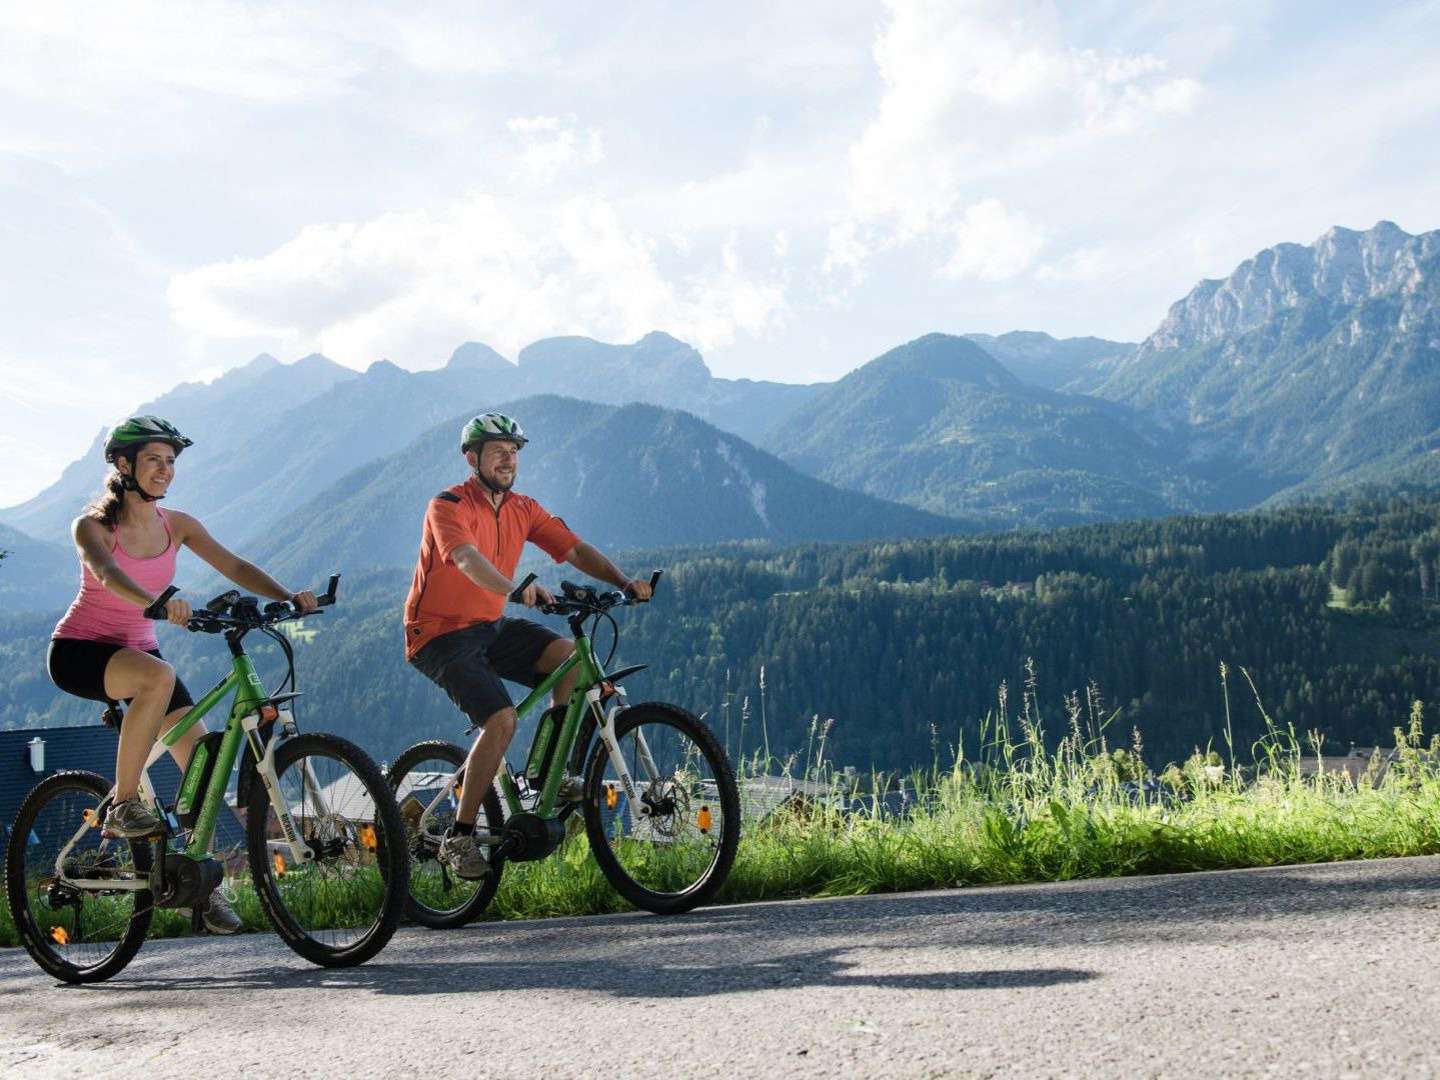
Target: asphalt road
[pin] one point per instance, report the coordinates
(1290, 971)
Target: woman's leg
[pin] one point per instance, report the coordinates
(182, 749)
(148, 682)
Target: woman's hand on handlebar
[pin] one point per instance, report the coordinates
(177, 611)
(304, 601)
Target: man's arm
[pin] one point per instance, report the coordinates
(482, 572)
(591, 561)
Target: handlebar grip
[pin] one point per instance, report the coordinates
(655, 579)
(518, 595)
(156, 610)
(329, 596)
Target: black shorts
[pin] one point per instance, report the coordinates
(469, 664)
(78, 667)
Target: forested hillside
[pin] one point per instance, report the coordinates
(1331, 609)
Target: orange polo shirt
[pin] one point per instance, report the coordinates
(442, 598)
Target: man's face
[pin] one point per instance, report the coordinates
(498, 461)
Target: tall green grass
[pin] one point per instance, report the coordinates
(1029, 807)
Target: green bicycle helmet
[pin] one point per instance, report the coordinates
(126, 438)
(129, 435)
(488, 428)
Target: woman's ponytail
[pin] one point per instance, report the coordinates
(105, 507)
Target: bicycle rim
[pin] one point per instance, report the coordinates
(77, 935)
(438, 898)
(671, 847)
(340, 906)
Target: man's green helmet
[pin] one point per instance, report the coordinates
(489, 427)
(135, 432)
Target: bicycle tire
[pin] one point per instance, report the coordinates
(38, 943)
(390, 859)
(426, 914)
(703, 888)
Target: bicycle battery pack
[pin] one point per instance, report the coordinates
(197, 778)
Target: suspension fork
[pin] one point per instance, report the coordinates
(606, 729)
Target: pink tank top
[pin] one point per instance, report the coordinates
(97, 614)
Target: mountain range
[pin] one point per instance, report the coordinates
(1308, 369)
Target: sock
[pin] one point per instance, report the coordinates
(461, 829)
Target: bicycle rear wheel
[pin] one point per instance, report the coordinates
(671, 849)
(340, 907)
(438, 899)
(77, 935)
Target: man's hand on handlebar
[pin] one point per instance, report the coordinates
(640, 589)
(535, 594)
(304, 601)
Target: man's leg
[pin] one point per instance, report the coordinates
(483, 762)
(555, 654)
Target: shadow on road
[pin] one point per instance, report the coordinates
(635, 979)
(844, 942)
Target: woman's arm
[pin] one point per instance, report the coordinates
(245, 574)
(95, 553)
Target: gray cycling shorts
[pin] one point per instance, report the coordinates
(469, 664)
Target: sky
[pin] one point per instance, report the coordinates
(793, 189)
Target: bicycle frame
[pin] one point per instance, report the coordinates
(586, 695)
(243, 725)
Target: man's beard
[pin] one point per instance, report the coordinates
(494, 483)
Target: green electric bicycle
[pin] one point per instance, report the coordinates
(653, 784)
(324, 840)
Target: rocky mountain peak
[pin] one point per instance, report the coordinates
(476, 356)
(1343, 265)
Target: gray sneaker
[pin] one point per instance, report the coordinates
(464, 857)
(130, 819)
(219, 917)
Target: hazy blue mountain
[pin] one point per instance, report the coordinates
(1052, 363)
(621, 476)
(1317, 365)
(939, 423)
(34, 575)
(223, 417)
(660, 370)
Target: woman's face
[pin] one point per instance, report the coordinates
(154, 467)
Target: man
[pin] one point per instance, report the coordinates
(454, 630)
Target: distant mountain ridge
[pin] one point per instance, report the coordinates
(939, 423)
(622, 476)
(1052, 363)
(1317, 366)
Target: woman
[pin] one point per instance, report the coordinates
(105, 648)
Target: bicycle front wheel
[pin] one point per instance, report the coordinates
(670, 848)
(340, 906)
(78, 934)
(438, 899)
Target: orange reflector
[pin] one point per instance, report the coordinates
(268, 713)
(459, 791)
(278, 861)
(704, 819)
(91, 818)
(367, 837)
(59, 936)
(612, 797)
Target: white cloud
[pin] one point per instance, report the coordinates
(551, 144)
(970, 91)
(993, 243)
(408, 286)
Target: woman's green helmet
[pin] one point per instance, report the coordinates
(489, 427)
(131, 434)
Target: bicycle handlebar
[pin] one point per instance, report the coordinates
(583, 599)
(230, 610)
